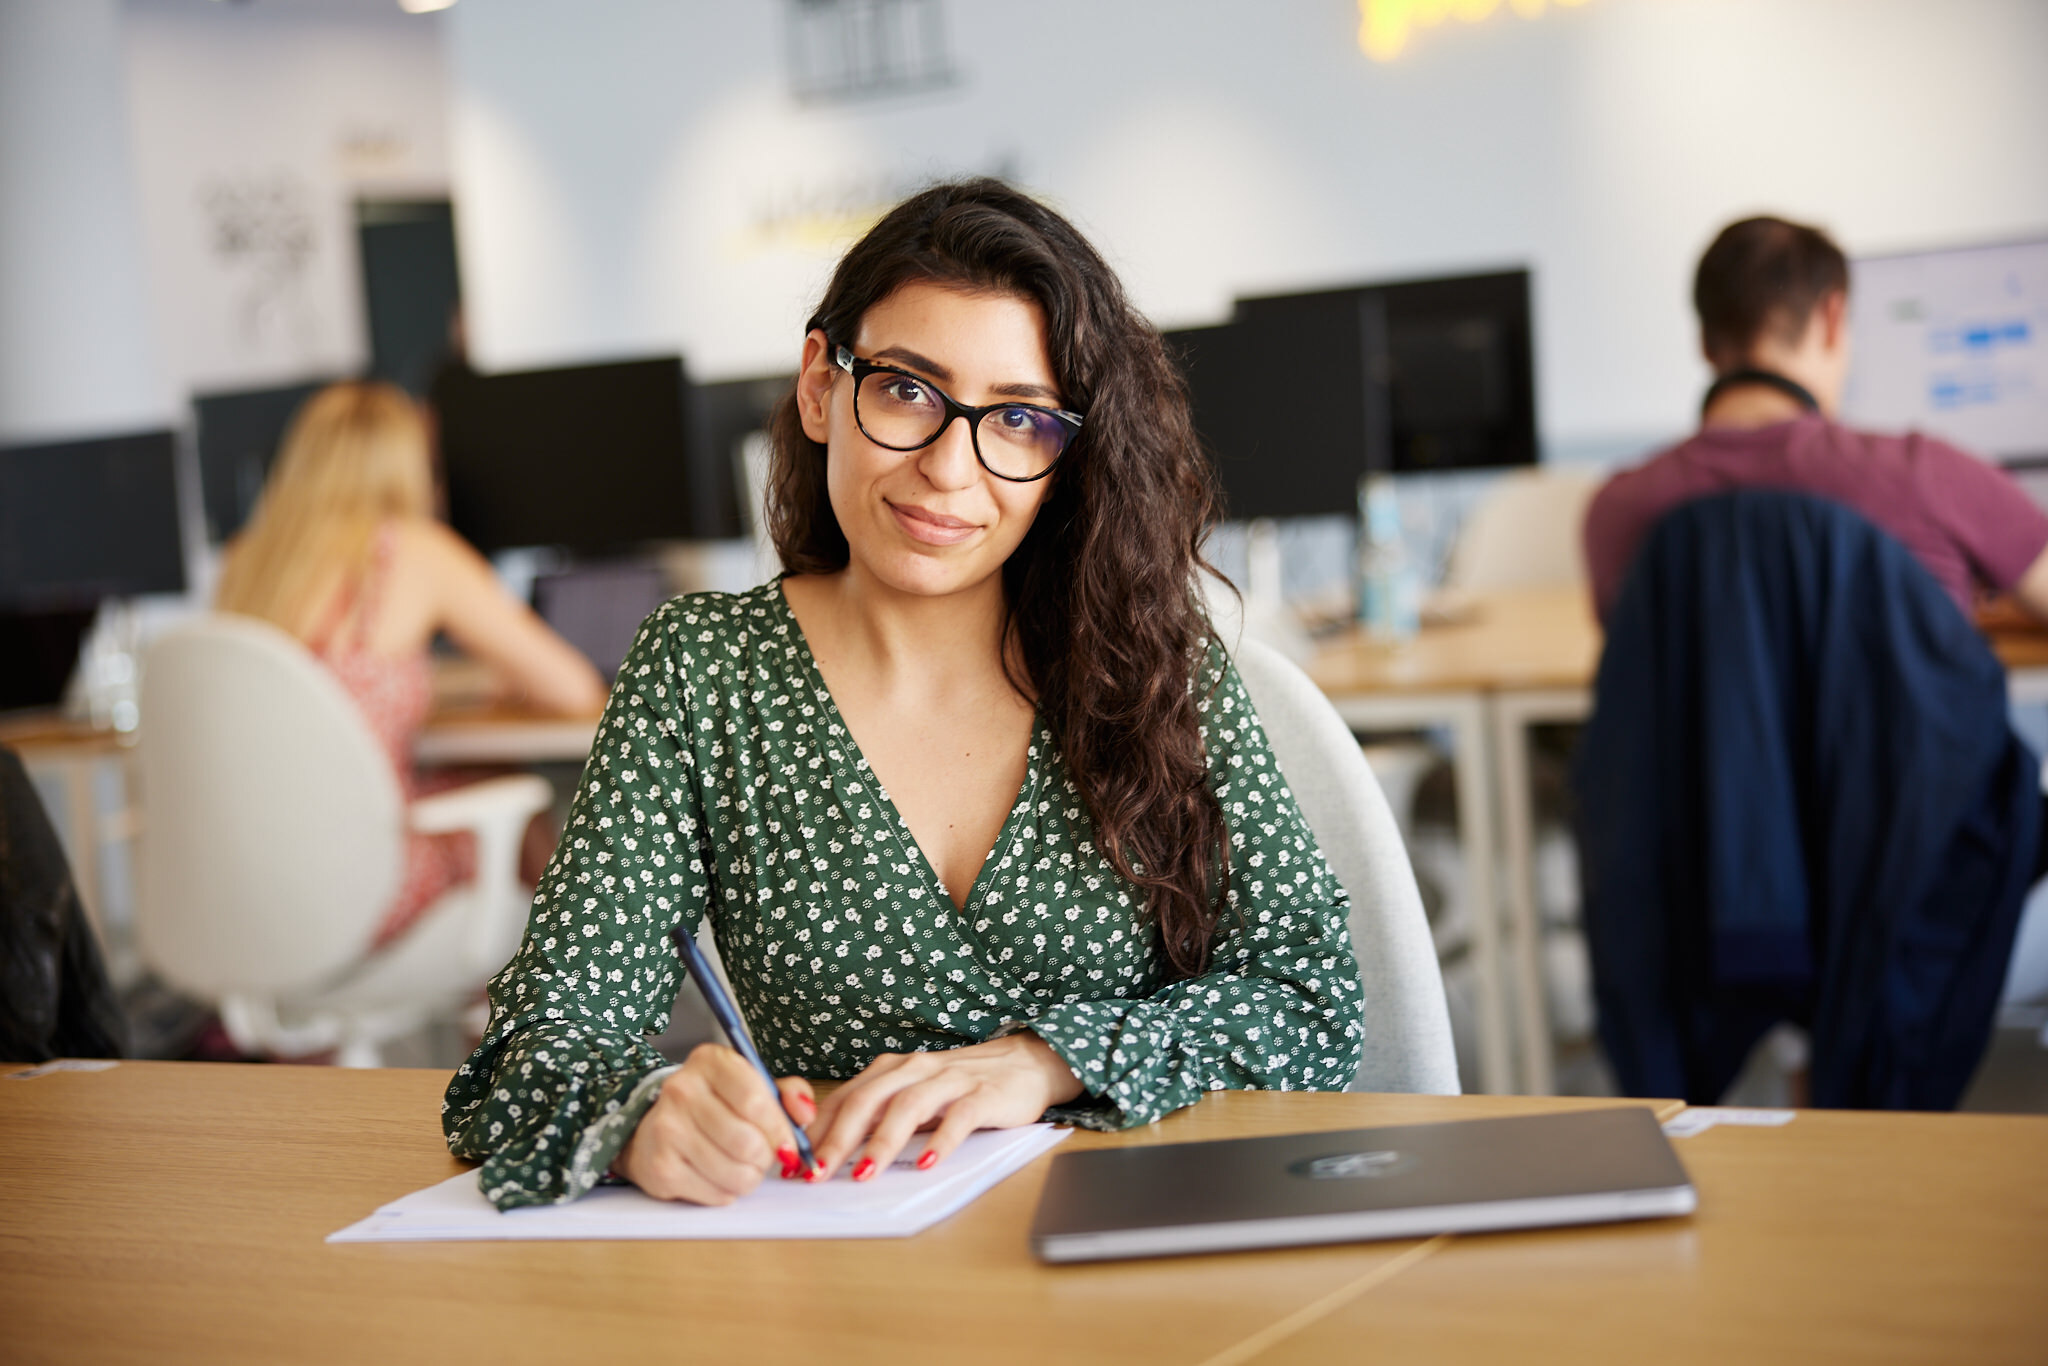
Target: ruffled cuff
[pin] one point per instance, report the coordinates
(1131, 1064)
(580, 1160)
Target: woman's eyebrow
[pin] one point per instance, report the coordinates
(903, 355)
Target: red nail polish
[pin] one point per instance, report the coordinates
(925, 1160)
(815, 1174)
(787, 1156)
(864, 1169)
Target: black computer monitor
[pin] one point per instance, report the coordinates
(1300, 395)
(86, 520)
(724, 414)
(591, 458)
(239, 436)
(1460, 373)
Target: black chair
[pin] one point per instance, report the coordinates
(54, 997)
(1800, 799)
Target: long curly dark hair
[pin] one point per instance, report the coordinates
(1103, 610)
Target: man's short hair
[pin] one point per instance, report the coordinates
(1763, 277)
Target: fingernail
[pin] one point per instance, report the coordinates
(807, 1103)
(926, 1158)
(864, 1169)
(790, 1163)
(815, 1174)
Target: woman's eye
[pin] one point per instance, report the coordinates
(1018, 420)
(904, 390)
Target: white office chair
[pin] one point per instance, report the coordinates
(1407, 1026)
(273, 842)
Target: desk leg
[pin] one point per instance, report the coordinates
(1472, 762)
(1512, 715)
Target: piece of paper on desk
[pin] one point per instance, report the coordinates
(894, 1203)
(63, 1065)
(1697, 1119)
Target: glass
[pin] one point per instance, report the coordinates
(903, 412)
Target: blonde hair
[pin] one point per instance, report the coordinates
(355, 457)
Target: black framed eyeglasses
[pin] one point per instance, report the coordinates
(895, 409)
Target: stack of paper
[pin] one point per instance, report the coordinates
(894, 1203)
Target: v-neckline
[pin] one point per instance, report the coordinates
(899, 828)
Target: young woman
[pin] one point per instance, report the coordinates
(978, 810)
(344, 553)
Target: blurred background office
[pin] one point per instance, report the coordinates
(1447, 242)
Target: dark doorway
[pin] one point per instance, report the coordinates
(411, 285)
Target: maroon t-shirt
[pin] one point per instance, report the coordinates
(1963, 518)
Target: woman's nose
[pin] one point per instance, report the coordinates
(949, 462)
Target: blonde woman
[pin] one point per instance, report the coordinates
(343, 552)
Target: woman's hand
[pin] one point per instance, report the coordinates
(996, 1085)
(714, 1131)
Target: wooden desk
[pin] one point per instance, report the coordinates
(1520, 659)
(1840, 1237)
(175, 1212)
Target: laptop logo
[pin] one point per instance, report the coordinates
(1350, 1166)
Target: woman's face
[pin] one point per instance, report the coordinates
(931, 521)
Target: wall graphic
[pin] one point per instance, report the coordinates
(262, 231)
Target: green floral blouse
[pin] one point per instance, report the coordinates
(724, 783)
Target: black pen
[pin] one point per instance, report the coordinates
(728, 1016)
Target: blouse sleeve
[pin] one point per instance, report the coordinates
(1281, 1005)
(565, 1071)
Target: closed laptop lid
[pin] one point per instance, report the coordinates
(1523, 1171)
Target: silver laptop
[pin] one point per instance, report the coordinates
(1581, 1167)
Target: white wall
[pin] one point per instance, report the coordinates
(77, 357)
(256, 127)
(636, 176)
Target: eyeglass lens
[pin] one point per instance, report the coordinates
(902, 412)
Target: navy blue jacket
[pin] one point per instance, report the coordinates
(1800, 799)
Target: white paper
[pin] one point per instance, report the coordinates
(1698, 1119)
(895, 1203)
(62, 1065)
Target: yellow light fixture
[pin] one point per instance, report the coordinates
(424, 6)
(1384, 26)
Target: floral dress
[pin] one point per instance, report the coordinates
(724, 783)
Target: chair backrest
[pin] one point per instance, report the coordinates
(1525, 533)
(273, 826)
(1407, 1026)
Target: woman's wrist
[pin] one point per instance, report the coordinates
(1061, 1085)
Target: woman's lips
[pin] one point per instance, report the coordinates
(933, 528)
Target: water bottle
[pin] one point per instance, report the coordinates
(1389, 585)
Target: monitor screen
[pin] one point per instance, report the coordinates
(239, 436)
(1460, 374)
(592, 458)
(85, 520)
(1300, 395)
(1955, 344)
(1280, 401)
